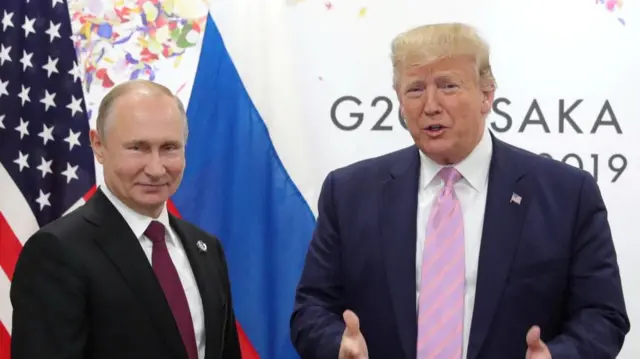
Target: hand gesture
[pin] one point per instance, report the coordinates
(536, 348)
(352, 345)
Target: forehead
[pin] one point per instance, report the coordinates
(460, 67)
(143, 116)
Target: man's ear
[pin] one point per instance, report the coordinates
(487, 101)
(97, 145)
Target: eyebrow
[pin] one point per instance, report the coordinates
(415, 83)
(146, 143)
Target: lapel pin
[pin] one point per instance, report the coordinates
(515, 198)
(202, 247)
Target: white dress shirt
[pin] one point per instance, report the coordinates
(138, 224)
(471, 190)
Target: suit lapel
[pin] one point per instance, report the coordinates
(397, 225)
(501, 232)
(208, 275)
(122, 247)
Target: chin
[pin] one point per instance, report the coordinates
(438, 153)
(156, 195)
(438, 147)
(154, 198)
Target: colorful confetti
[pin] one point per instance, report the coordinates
(124, 39)
(181, 88)
(613, 6)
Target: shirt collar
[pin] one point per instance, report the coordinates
(474, 168)
(136, 221)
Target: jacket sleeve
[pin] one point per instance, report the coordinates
(316, 322)
(48, 294)
(598, 321)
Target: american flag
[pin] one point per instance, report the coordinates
(46, 163)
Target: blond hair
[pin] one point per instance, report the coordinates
(423, 44)
(139, 86)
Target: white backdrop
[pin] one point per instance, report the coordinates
(298, 57)
(547, 55)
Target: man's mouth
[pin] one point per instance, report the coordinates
(434, 130)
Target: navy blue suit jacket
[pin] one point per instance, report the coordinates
(549, 261)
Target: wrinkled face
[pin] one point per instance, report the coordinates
(444, 107)
(142, 151)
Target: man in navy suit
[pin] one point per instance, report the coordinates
(461, 246)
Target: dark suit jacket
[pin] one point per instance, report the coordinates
(549, 261)
(84, 289)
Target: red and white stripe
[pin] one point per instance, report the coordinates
(17, 224)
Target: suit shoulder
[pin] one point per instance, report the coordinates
(371, 167)
(67, 227)
(549, 167)
(64, 239)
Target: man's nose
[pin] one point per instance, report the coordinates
(431, 105)
(155, 167)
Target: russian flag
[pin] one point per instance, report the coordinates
(236, 187)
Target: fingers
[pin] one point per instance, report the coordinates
(533, 338)
(349, 349)
(352, 323)
(353, 345)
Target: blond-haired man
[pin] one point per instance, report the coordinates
(120, 277)
(460, 246)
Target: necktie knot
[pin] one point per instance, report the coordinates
(155, 232)
(449, 175)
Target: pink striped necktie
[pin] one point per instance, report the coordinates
(441, 296)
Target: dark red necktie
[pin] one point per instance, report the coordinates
(170, 282)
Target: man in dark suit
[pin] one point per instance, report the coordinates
(461, 246)
(120, 277)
